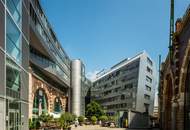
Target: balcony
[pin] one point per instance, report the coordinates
(50, 69)
(40, 42)
(43, 31)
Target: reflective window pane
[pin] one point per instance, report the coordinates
(13, 41)
(13, 77)
(14, 7)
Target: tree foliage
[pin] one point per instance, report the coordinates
(94, 109)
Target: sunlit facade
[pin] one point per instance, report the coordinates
(128, 85)
(14, 66)
(80, 86)
(49, 74)
(174, 96)
(34, 68)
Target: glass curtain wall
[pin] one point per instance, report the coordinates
(13, 60)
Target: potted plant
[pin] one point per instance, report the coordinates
(81, 120)
(104, 120)
(65, 121)
(34, 124)
(94, 120)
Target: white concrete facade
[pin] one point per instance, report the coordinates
(117, 95)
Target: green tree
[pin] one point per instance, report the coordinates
(94, 109)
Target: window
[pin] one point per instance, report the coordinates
(128, 86)
(146, 96)
(14, 7)
(40, 101)
(57, 105)
(148, 88)
(149, 70)
(148, 79)
(13, 78)
(149, 61)
(13, 82)
(13, 40)
(146, 107)
(113, 83)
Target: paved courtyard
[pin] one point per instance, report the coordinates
(103, 128)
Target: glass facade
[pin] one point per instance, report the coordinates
(14, 7)
(49, 39)
(15, 83)
(13, 40)
(13, 79)
(13, 112)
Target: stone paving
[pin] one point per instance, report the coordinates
(96, 127)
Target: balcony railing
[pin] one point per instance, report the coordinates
(48, 35)
(49, 66)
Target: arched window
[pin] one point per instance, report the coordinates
(40, 103)
(57, 105)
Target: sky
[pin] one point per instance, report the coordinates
(103, 32)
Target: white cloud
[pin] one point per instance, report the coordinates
(92, 75)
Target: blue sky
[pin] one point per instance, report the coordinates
(103, 32)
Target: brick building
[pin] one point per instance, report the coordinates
(174, 98)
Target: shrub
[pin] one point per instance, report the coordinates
(46, 118)
(93, 119)
(111, 118)
(65, 120)
(81, 119)
(34, 123)
(103, 118)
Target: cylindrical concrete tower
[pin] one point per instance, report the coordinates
(76, 79)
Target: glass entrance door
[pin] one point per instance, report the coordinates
(14, 119)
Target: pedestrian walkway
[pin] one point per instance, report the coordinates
(97, 127)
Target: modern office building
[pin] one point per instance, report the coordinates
(14, 65)
(34, 68)
(79, 88)
(130, 84)
(49, 74)
(85, 95)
